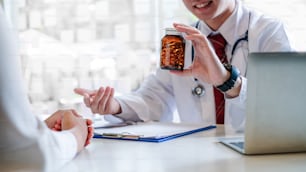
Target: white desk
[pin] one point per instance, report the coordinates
(192, 153)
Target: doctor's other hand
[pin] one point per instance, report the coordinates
(100, 101)
(69, 120)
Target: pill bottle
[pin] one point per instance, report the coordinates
(172, 50)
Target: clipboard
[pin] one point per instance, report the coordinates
(150, 131)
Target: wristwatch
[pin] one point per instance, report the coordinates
(227, 85)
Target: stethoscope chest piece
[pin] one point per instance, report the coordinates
(199, 90)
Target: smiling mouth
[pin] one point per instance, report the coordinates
(203, 5)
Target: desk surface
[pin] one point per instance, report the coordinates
(196, 152)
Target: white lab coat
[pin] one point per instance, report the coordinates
(26, 143)
(162, 93)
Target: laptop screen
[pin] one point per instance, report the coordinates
(276, 103)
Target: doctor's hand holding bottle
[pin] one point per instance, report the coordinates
(206, 65)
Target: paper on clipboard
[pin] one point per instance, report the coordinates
(151, 131)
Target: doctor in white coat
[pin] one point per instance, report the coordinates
(164, 92)
(26, 142)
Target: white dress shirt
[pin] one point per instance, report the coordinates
(26, 143)
(162, 93)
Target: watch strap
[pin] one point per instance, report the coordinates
(234, 74)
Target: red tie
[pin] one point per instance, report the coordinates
(219, 43)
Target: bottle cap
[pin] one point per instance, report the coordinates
(172, 31)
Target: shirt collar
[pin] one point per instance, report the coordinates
(233, 28)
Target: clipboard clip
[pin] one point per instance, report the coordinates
(124, 135)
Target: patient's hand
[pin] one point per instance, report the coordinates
(54, 122)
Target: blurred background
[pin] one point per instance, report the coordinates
(90, 43)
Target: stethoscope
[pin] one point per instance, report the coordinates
(199, 89)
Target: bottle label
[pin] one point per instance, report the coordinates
(172, 52)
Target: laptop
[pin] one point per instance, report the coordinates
(276, 105)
